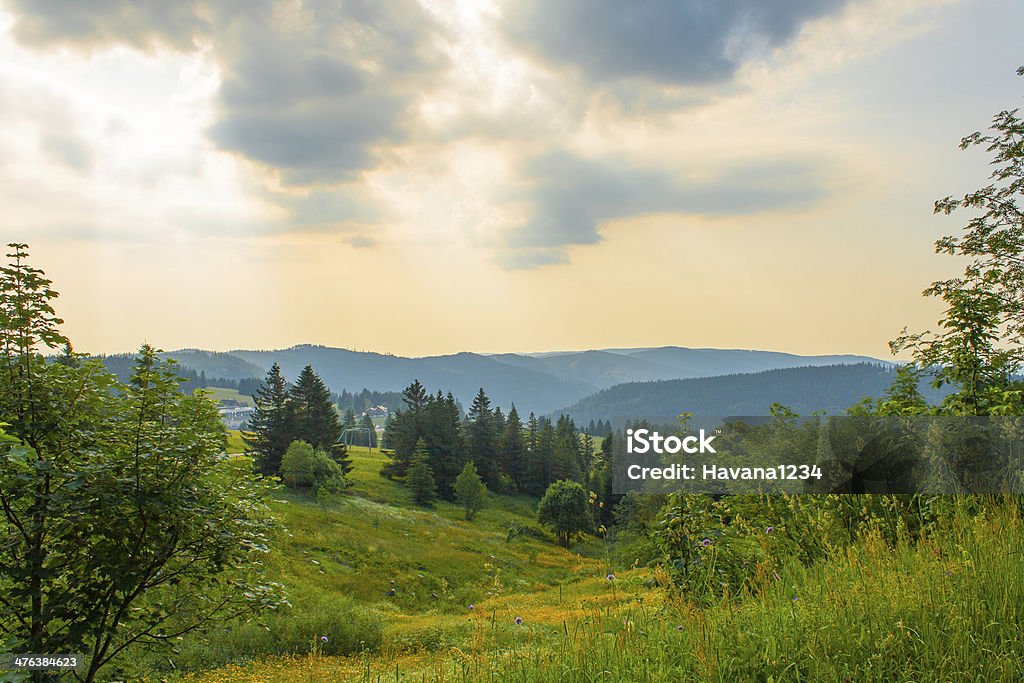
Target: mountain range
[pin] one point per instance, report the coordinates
(830, 388)
(540, 382)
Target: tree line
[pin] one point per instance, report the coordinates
(510, 455)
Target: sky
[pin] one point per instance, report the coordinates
(423, 177)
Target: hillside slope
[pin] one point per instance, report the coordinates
(832, 388)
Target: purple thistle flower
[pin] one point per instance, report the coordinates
(706, 542)
(610, 577)
(769, 530)
(519, 621)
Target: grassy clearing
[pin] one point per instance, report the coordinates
(371, 570)
(223, 393)
(947, 609)
(390, 585)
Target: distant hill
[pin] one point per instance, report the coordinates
(217, 364)
(534, 382)
(463, 374)
(686, 363)
(831, 388)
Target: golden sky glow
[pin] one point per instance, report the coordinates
(442, 177)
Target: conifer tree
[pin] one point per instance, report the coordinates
(316, 419)
(444, 441)
(420, 477)
(608, 499)
(371, 434)
(482, 441)
(514, 449)
(404, 429)
(271, 424)
(566, 462)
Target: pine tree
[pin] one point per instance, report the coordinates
(271, 424)
(543, 458)
(566, 463)
(316, 419)
(444, 441)
(420, 477)
(514, 450)
(482, 441)
(404, 429)
(371, 434)
(608, 499)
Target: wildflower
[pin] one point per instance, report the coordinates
(706, 542)
(795, 598)
(610, 577)
(519, 621)
(472, 607)
(769, 530)
(323, 638)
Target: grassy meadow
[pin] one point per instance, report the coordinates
(389, 586)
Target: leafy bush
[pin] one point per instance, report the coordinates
(306, 467)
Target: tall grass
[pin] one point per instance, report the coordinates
(949, 608)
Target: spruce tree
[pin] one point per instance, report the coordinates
(482, 441)
(271, 424)
(420, 477)
(444, 441)
(371, 434)
(404, 428)
(566, 462)
(316, 419)
(608, 498)
(514, 450)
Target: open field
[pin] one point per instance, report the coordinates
(222, 393)
(390, 585)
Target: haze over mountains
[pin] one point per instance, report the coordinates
(541, 382)
(832, 388)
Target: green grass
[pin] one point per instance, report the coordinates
(235, 443)
(391, 583)
(222, 393)
(946, 609)
(373, 557)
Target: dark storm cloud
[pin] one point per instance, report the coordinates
(315, 100)
(572, 197)
(680, 42)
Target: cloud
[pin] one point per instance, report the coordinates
(311, 92)
(675, 42)
(361, 241)
(99, 23)
(68, 150)
(570, 198)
